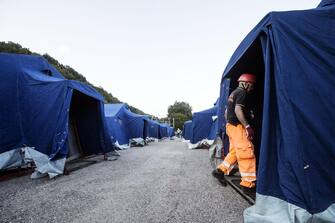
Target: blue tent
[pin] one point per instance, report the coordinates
(204, 125)
(151, 128)
(292, 53)
(135, 124)
(123, 124)
(170, 131)
(116, 124)
(163, 130)
(39, 111)
(187, 130)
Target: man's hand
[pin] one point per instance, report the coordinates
(240, 115)
(250, 132)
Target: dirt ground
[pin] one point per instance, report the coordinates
(161, 182)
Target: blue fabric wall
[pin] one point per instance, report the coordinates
(170, 131)
(152, 128)
(213, 133)
(163, 131)
(116, 124)
(134, 124)
(187, 130)
(202, 125)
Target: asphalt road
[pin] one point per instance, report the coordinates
(162, 182)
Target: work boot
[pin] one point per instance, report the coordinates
(233, 171)
(218, 174)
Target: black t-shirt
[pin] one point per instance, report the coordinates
(237, 97)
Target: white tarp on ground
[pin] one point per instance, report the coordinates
(151, 139)
(11, 159)
(45, 166)
(136, 142)
(202, 144)
(21, 156)
(121, 147)
(112, 155)
(272, 210)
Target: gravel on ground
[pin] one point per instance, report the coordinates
(161, 182)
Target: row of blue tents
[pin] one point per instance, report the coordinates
(125, 126)
(292, 54)
(48, 119)
(202, 129)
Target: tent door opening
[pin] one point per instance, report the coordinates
(84, 126)
(146, 129)
(252, 62)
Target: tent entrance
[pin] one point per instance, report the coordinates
(146, 130)
(84, 127)
(252, 62)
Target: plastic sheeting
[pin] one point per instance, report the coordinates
(205, 143)
(11, 159)
(137, 142)
(292, 53)
(121, 147)
(44, 165)
(282, 211)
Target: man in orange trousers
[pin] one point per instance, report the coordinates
(240, 133)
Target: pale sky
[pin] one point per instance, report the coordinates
(148, 53)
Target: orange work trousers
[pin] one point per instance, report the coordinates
(241, 151)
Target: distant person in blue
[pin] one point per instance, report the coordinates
(240, 133)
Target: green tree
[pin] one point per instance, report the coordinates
(180, 112)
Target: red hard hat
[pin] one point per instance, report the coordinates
(247, 78)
